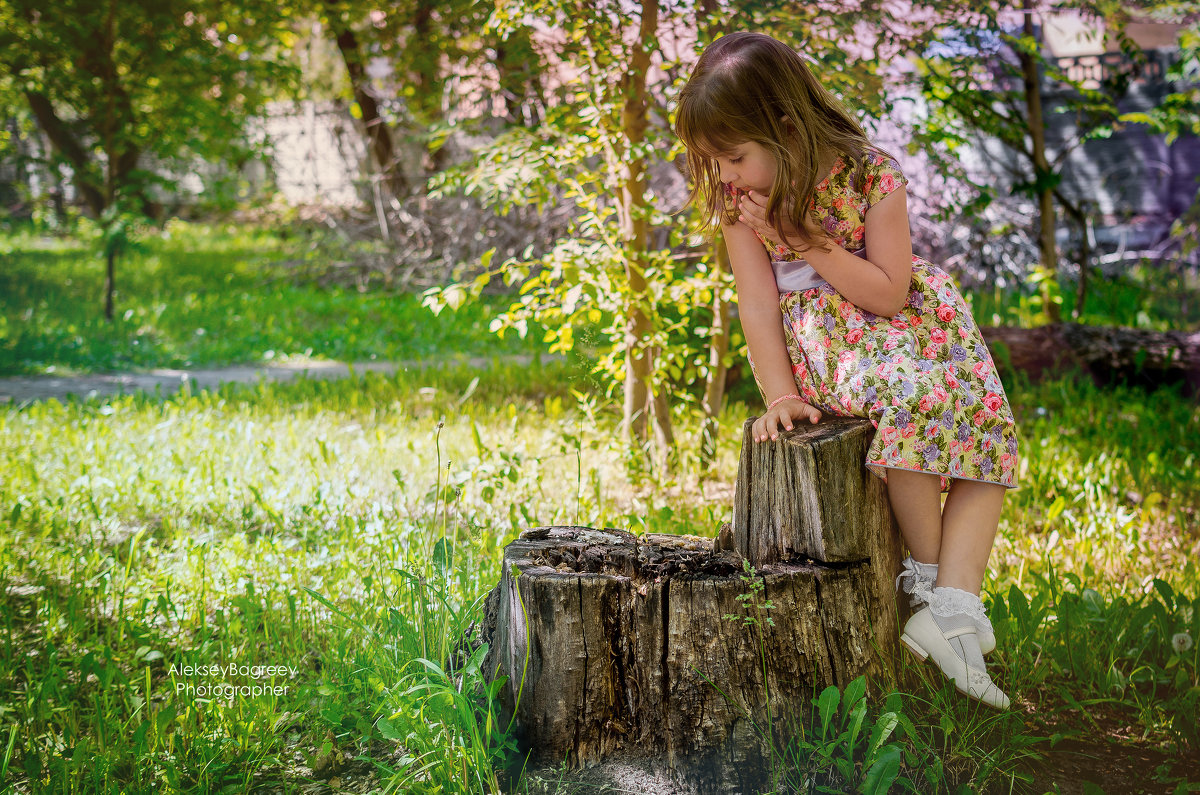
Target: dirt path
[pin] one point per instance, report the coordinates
(23, 389)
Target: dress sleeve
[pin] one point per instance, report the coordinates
(883, 176)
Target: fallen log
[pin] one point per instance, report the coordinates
(660, 651)
(1107, 354)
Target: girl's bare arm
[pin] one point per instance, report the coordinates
(758, 308)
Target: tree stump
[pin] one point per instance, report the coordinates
(619, 648)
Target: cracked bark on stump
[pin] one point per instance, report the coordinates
(616, 647)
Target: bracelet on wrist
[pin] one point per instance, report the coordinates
(780, 399)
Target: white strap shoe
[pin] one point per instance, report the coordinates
(924, 638)
(919, 580)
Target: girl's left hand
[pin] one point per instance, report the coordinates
(753, 206)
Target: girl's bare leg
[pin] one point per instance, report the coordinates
(917, 503)
(969, 523)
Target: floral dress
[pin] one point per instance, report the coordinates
(924, 377)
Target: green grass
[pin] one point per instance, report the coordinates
(1143, 296)
(142, 534)
(349, 530)
(197, 296)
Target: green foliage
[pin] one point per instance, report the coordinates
(751, 600)
(170, 80)
(849, 745)
(974, 83)
(1135, 653)
(592, 282)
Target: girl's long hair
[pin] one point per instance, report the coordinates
(751, 87)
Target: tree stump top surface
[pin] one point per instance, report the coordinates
(572, 551)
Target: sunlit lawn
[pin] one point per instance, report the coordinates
(348, 529)
(201, 296)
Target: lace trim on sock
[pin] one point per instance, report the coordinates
(922, 593)
(947, 602)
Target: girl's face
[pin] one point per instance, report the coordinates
(749, 167)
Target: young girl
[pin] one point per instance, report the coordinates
(816, 222)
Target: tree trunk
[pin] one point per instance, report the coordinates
(1043, 184)
(110, 283)
(632, 209)
(718, 349)
(64, 142)
(1087, 239)
(379, 137)
(624, 651)
(810, 495)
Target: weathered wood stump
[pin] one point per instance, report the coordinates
(619, 648)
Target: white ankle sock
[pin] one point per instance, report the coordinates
(953, 608)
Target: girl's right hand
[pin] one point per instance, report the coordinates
(785, 414)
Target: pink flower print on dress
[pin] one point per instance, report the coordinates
(980, 369)
(938, 336)
(993, 401)
(946, 313)
(854, 335)
(887, 183)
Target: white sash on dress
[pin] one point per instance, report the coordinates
(797, 274)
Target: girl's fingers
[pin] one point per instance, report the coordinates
(769, 425)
